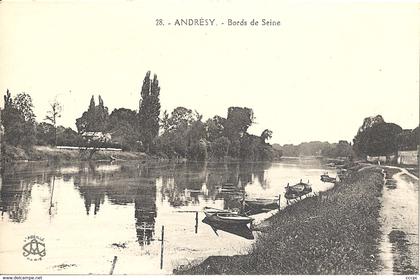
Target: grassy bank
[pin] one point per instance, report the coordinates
(334, 233)
(41, 153)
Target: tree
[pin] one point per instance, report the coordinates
(220, 148)
(180, 118)
(95, 119)
(45, 133)
(237, 122)
(149, 111)
(101, 116)
(69, 137)
(408, 139)
(360, 140)
(382, 139)
(265, 135)
(183, 131)
(197, 146)
(214, 128)
(52, 115)
(122, 126)
(19, 120)
(87, 121)
(376, 137)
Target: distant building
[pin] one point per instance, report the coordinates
(408, 157)
(97, 136)
(381, 159)
(402, 157)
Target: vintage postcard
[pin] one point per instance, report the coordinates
(218, 137)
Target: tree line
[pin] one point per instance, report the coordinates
(181, 133)
(375, 137)
(379, 138)
(317, 148)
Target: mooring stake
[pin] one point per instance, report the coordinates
(196, 222)
(161, 247)
(113, 265)
(279, 201)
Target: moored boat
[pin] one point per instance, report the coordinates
(327, 179)
(226, 217)
(297, 190)
(261, 202)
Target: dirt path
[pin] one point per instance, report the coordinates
(399, 219)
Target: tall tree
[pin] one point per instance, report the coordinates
(236, 125)
(95, 119)
(19, 120)
(101, 116)
(52, 115)
(149, 111)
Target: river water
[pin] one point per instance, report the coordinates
(87, 213)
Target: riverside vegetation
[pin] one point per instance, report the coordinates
(181, 134)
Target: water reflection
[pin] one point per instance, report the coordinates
(15, 197)
(145, 212)
(182, 185)
(125, 203)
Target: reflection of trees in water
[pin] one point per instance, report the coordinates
(145, 211)
(92, 187)
(16, 187)
(184, 184)
(94, 181)
(15, 198)
(128, 184)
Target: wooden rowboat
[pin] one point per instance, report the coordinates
(326, 178)
(261, 202)
(226, 217)
(297, 190)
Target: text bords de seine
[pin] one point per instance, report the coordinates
(214, 22)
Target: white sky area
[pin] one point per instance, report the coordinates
(315, 77)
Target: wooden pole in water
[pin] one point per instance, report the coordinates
(196, 222)
(161, 247)
(113, 265)
(52, 194)
(279, 201)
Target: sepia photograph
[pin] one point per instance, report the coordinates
(213, 137)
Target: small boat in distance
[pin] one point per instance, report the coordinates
(327, 179)
(225, 217)
(298, 190)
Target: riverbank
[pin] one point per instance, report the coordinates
(45, 153)
(335, 233)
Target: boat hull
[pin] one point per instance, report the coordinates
(226, 217)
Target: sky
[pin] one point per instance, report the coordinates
(315, 77)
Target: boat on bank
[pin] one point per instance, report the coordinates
(259, 205)
(327, 179)
(219, 216)
(298, 190)
(239, 230)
